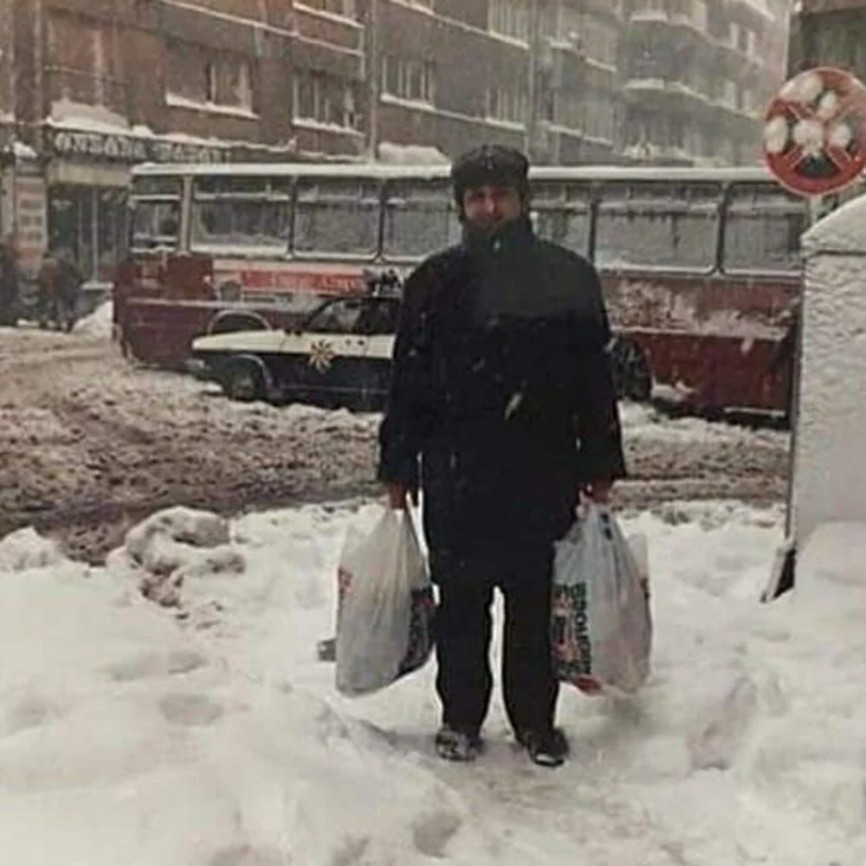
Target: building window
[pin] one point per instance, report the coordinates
(508, 104)
(599, 117)
(599, 39)
(200, 76)
(509, 18)
(345, 8)
(408, 78)
(651, 7)
(84, 62)
(325, 98)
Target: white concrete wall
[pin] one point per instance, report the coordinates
(830, 450)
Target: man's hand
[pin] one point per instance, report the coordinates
(598, 491)
(399, 495)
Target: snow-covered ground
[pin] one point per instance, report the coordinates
(207, 732)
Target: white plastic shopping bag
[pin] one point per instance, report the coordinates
(601, 624)
(385, 605)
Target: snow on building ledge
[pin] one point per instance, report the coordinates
(410, 154)
(844, 230)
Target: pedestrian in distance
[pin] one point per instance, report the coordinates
(10, 280)
(502, 411)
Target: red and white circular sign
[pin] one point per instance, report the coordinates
(815, 131)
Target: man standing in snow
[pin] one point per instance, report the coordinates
(502, 409)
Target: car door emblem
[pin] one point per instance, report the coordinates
(321, 356)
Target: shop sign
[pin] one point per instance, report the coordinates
(124, 148)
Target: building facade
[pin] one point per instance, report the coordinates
(536, 74)
(697, 76)
(89, 88)
(94, 87)
(829, 33)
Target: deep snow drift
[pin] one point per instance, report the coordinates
(198, 727)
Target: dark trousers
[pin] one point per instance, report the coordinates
(463, 626)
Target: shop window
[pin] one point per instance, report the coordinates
(89, 225)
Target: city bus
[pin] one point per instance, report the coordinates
(700, 267)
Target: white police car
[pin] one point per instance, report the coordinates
(339, 356)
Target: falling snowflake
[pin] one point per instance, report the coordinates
(321, 356)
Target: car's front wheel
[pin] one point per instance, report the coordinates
(243, 380)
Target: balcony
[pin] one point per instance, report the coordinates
(668, 94)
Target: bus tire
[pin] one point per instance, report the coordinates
(242, 380)
(632, 375)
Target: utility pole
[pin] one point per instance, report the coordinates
(372, 76)
(532, 88)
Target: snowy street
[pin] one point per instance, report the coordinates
(165, 705)
(91, 443)
(207, 732)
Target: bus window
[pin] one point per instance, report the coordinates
(547, 208)
(336, 216)
(155, 203)
(419, 219)
(562, 215)
(763, 224)
(240, 213)
(657, 225)
(155, 223)
(576, 215)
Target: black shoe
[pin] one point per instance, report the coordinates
(454, 745)
(545, 748)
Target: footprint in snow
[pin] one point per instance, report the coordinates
(190, 709)
(148, 665)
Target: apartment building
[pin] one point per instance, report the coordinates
(697, 76)
(536, 74)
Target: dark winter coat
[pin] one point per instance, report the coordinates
(501, 386)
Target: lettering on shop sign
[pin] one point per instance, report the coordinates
(123, 148)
